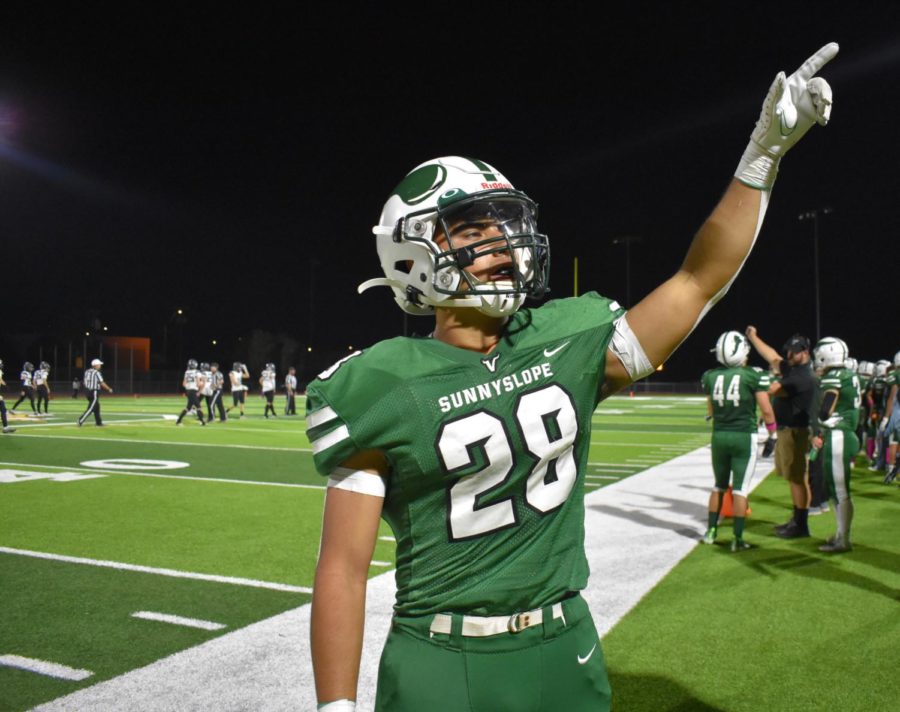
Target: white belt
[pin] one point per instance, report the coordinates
(481, 626)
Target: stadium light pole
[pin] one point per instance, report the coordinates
(627, 240)
(814, 216)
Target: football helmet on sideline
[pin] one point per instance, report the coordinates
(830, 352)
(732, 349)
(437, 197)
(192, 363)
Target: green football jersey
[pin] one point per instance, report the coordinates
(733, 395)
(487, 454)
(879, 390)
(846, 383)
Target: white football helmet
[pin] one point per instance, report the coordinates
(732, 349)
(437, 197)
(830, 352)
(866, 368)
(881, 367)
(851, 363)
(897, 360)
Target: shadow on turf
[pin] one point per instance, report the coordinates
(653, 693)
(642, 515)
(771, 556)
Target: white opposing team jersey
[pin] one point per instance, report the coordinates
(237, 381)
(207, 385)
(25, 377)
(268, 380)
(40, 377)
(191, 379)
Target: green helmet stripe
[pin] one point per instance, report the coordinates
(484, 168)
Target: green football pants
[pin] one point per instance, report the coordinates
(557, 665)
(734, 460)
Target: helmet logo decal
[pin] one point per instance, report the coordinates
(737, 344)
(421, 184)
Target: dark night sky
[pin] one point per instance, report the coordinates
(232, 165)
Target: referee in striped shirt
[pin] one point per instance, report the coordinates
(93, 382)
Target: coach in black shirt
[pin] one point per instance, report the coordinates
(794, 396)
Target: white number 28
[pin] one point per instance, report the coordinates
(548, 425)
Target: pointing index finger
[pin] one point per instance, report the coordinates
(812, 65)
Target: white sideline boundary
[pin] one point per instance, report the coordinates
(636, 531)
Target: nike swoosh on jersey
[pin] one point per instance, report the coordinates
(550, 352)
(583, 660)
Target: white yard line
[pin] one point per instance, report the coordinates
(636, 531)
(43, 667)
(86, 425)
(224, 480)
(178, 620)
(253, 583)
(166, 442)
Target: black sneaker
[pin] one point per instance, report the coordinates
(792, 531)
(783, 527)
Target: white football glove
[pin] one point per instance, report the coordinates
(833, 421)
(791, 107)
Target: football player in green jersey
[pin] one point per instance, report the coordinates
(836, 437)
(891, 421)
(877, 395)
(472, 443)
(733, 393)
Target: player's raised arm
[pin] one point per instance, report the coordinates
(665, 317)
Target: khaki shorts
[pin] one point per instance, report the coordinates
(791, 453)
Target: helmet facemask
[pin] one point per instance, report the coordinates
(480, 226)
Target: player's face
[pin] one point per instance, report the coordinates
(483, 235)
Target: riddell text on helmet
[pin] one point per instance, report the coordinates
(491, 186)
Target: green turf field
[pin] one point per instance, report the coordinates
(220, 525)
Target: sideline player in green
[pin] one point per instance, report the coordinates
(836, 442)
(733, 392)
(472, 443)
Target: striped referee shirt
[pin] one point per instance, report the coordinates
(92, 379)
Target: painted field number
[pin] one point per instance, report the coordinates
(11, 476)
